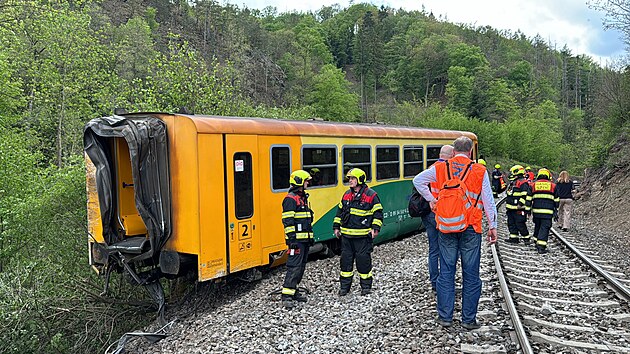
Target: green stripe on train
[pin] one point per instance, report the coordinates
(394, 197)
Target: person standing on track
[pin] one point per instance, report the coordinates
(358, 221)
(297, 218)
(565, 189)
(497, 181)
(446, 152)
(517, 205)
(465, 244)
(545, 202)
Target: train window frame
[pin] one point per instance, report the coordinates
(426, 158)
(308, 168)
(343, 162)
(271, 167)
(240, 190)
(405, 162)
(397, 162)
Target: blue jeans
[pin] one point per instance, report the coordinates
(468, 244)
(434, 249)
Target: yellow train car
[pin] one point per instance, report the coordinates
(172, 193)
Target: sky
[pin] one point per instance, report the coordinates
(559, 22)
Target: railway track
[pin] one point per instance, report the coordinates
(566, 301)
(559, 305)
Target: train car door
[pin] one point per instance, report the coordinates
(243, 211)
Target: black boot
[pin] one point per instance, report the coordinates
(299, 297)
(343, 291)
(287, 302)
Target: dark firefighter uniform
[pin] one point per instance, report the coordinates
(497, 181)
(545, 202)
(358, 213)
(517, 205)
(297, 218)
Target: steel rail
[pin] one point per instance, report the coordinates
(521, 335)
(617, 286)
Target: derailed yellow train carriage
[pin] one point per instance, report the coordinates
(171, 193)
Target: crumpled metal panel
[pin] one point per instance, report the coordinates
(147, 139)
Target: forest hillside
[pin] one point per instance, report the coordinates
(65, 62)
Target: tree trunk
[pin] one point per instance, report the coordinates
(62, 115)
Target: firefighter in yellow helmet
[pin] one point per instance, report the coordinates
(358, 221)
(297, 218)
(517, 205)
(545, 202)
(498, 183)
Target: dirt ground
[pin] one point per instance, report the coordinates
(601, 213)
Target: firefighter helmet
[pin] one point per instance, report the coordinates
(482, 161)
(357, 173)
(298, 177)
(497, 166)
(517, 170)
(543, 172)
(528, 168)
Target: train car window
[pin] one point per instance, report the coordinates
(433, 154)
(387, 162)
(280, 168)
(243, 185)
(412, 160)
(321, 162)
(358, 157)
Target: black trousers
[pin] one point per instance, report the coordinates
(296, 264)
(359, 249)
(517, 223)
(541, 231)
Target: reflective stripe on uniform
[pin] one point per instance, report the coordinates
(543, 196)
(288, 214)
(302, 214)
(452, 220)
(289, 229)
(542, 211)
(346, 274)
(377, 222)
(354, 232)
(303, 235)
(337, 220)
(288, 291)
(360, 212)
(513, 236)
(541, 243)
(366, 276)
(457, 227)
(376, 207)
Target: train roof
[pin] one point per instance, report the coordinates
(269, 126)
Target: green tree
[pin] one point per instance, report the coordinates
(500, 102)
(459, 89)
(331, 97)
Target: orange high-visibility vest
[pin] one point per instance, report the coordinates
(473, 181)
